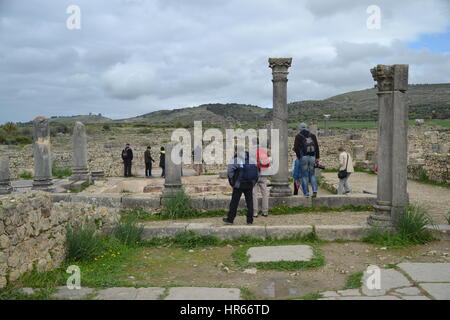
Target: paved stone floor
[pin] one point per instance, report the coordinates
(407, 281)
(280, 253)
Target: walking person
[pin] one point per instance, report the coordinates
(148, 162)
(297, 175)
(127, 157)
(345, 170)
(242, 176)
(306, 149)
(263, 164)
(162, 162)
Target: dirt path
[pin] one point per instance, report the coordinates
(433, 198)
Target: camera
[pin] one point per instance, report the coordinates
(319, 166)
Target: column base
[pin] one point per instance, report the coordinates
(5, 188)
(280, 189)
(171, 189)
(43, 185)
(382, 217)
(81, 175)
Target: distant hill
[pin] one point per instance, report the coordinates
(91, 118)
(425, 101)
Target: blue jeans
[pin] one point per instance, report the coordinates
(308, 174)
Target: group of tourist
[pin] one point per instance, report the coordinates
(248, 176)
(127, 157)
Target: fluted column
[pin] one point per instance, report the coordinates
(392, 150)
(280, 180)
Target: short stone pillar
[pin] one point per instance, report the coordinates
(42, 156)
(358, 152)
(80, 170)
(172, 183)
(326, 124)
(392, 152)
(5, 182)
(313, 127)
(280, 180)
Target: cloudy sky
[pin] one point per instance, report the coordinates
(136, 56)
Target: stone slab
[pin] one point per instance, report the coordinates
(138, 201)
(329, 294)
(427, 272)
(349, 292)
(75, 294)
(234, 232)
(368, 298)
(411, 291)
(99, 200)
(162, 232)
(152, 293)
(415, 298)
(390, 279)
(279, 232)
(199, 293)
(337, 201)
(280, 253)
(440, 291)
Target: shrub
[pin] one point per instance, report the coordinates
(106, 127)
(83, 243)
(411, 230)
(178, 206)
(128, 231)
(61, 173)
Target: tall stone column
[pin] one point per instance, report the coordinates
(326, 120)
(313, 127)
(172, 182)
(42, 155)
(392, 151)
(280, 180)
(5, 183)
(80, 170)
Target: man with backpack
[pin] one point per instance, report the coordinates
(307, 150)
(242, 176)
(127, 157)
(263, 163)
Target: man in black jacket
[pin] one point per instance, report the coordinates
(127, 157)
(307, 150)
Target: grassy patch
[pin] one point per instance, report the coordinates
(128, 232)
(354, 281)
(61, 173)
(83, 187)
(26, 176)
(411, 230)
(83, 242)
(178, 207)
(448, 218)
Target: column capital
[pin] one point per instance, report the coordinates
(391, 78)
(280, 62)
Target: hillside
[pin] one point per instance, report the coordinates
(91, 118)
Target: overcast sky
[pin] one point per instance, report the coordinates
(131, 57)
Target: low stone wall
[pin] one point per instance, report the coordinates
(33, 231)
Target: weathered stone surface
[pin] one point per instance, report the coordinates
(75, 294)
(119, 293)
(390, 279)
(333, 232)
(440, 291)
(349, 292)
(172, 183)
(329, 294)
(164, 231)
(5, 183)
(199, 293)
(427, 272)
(280, 253)
(368, 298)
(234, 232)
(42, 155)
(279, 232)
(411, 291)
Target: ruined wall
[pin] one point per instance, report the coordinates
(33, 231)
(427, 147)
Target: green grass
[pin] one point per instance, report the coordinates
(26, 176)
(354, 281)
(128, 232)
(178, 207)
(411, 230)
(84, 186)
(61, 173)
(448, 218)
(83, 242)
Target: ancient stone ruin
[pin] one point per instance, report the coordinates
(42, 155)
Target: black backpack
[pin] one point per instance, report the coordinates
(309, 146)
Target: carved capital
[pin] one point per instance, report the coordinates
(280, 68)
(41, 128)
(390, 78)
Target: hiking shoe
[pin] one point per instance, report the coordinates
(314, 195)
(225, 220)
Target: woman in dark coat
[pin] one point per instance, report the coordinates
(162, 161)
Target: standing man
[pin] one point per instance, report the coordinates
(162, 162)
(242, 176)
(307, 150)
(263, 163)
(127, 157)
(148, 162)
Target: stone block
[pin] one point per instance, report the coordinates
(162, 231)
(427, 272)
(279, 232)
(198, 293)
(280, 253)
(138, 201)
(347, 232)
(439, 291)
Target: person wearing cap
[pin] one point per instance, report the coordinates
(148, 162)
(306, 149)
(127, 157)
